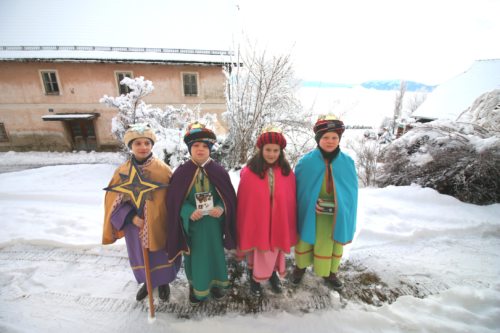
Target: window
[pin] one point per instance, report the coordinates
(50, 84)
(122, 88)
(3, 133)
(190, 82)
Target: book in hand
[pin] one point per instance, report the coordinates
(204, 202)
(325, 207)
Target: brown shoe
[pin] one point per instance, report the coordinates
(297, 275)
(333, 281)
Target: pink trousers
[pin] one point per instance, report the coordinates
(264, 263)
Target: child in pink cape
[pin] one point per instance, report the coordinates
(266, 212)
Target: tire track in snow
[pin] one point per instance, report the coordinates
(180, 308)
(94, 255)
(360, 285)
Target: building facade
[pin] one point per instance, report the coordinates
(51, 103)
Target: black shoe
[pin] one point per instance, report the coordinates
(276, 285)
(297, 275)
(333, 281)
(192, 299)
(255, 288)
(164, 292)
(142, 293)
(217, 293)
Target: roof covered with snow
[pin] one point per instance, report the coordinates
(451, 98)
(113, 54)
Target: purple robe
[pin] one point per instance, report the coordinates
(162, 271)
(176, 195)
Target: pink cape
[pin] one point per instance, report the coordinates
(258, 226)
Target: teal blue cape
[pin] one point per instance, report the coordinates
(309, 172)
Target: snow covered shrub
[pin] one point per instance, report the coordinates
(456, 158)
(169, 124)
(434, 155)
(485, 111)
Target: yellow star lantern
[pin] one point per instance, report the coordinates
(136, 186)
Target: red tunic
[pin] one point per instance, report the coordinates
(260, 226)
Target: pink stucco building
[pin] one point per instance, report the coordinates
(49, 96)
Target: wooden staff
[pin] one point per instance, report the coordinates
(145, 254)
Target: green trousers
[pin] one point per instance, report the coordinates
(325, 255)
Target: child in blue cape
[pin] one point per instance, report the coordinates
(327, 198)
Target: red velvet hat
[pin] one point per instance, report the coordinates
(271, 135)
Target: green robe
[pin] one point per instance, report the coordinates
(205, 266)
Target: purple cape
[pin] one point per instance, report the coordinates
(177, 192)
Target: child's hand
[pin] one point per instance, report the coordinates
(319, 207)
(216, 212)
(138, 222)
(197, 214)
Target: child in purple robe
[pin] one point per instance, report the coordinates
(201, 205)
(142, 228)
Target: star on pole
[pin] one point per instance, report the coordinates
(136, 186)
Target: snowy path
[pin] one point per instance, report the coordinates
(421, 262)
(94, 265)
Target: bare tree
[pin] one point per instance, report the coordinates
(414, 101)
(398, 104)
(367, 151)
(259, 91)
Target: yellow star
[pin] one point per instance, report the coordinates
(135, 186)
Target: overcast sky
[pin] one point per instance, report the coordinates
(347, 41)
(355, 40)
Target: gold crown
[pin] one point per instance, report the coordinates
(195, 125)
(327, 117)
(271, 128)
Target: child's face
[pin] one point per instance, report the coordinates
(271, 152)
(329, 141)
(200, 152)
(141, 148)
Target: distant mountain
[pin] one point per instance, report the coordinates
(395, 84)
(377, 85)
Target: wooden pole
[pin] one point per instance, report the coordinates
(145, 254)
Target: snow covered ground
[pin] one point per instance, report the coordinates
(56, 277)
